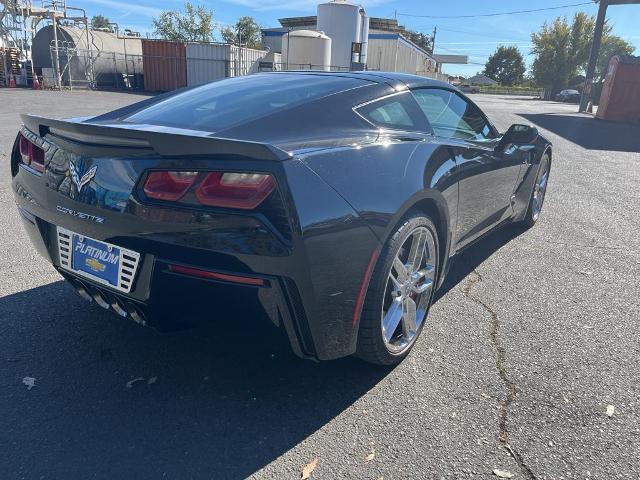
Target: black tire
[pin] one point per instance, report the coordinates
(371, 345)
(531, 217)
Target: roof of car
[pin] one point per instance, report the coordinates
(392, 78)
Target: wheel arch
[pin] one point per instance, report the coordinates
(432, 204)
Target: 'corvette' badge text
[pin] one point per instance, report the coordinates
(82, 215)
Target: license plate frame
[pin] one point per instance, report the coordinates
(103, 262)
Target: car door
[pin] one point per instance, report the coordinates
(486, 177)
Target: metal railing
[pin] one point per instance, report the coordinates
(525, 92)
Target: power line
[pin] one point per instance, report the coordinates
(495, 14)
(480, 34)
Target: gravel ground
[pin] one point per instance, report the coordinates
(532, 337)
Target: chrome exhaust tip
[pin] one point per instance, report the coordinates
(82, 290)
(118, 307)
(135, 314)
(100, 299)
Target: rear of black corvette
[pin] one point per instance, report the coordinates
(169, 226)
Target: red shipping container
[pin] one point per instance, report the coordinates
(620, 97)
(165, 65)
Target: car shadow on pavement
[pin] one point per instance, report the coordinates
(112, 399)
(589, 132)
(473, 256)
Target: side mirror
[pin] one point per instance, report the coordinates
(518, 134)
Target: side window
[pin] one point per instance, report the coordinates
(396, 112)
(451, 116)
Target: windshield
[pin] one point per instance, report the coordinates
(228, 102)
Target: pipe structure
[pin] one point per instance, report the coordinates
(57, 56)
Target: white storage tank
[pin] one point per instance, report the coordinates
(306, 50)
(346, 23)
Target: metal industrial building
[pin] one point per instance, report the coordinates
(382, 45)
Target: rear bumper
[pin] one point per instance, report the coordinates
(313, 271)
(169, 300)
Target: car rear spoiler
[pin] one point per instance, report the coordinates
(165, 141)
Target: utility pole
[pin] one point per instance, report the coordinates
(593, 57)
(433, 47)
(433, 40)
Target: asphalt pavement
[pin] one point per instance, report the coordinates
(534, 338)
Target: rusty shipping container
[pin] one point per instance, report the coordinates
(165, 66)
(620, 98)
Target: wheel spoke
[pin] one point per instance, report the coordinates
(396, 283)
(543, 181)
(428, 271)
(401, 271)
(417, 249)
(409, 317)
(410, 285)
(421, 310)
(423, 287)
(392, 319)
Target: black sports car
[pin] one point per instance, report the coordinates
(334, 201)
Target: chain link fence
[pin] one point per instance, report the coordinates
(76, 68)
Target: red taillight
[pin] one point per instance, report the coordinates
(235, 190)
(25, 150)
(31, 154)
(169, 186)
(214, 189)
(196, 272)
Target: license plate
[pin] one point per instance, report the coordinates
(100, 261)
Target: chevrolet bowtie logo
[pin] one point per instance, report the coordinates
(94, 265)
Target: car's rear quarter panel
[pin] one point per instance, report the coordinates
(384, 180)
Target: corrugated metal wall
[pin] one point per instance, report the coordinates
(382, 54)
(206, 62)
(245, 60)
(397, 55)
(164, 65)
(620, 97)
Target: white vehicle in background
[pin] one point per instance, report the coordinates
(466, 88)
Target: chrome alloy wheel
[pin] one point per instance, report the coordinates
(540, 188)
(408, 291)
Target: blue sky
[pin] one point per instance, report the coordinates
(476, 37)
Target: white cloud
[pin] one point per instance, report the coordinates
(126, 8)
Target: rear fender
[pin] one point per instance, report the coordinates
(384, 181)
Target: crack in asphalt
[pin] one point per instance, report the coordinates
(502, 372)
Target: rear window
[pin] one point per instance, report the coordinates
(228, 102)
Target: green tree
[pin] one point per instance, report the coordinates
(562, 50)
(611, 45)
(99, 21)
(553, 47)
(194, 24)
(245, 31)
(505, 66)
(422, 40)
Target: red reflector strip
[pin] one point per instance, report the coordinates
(364, 285)
(196, 272)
